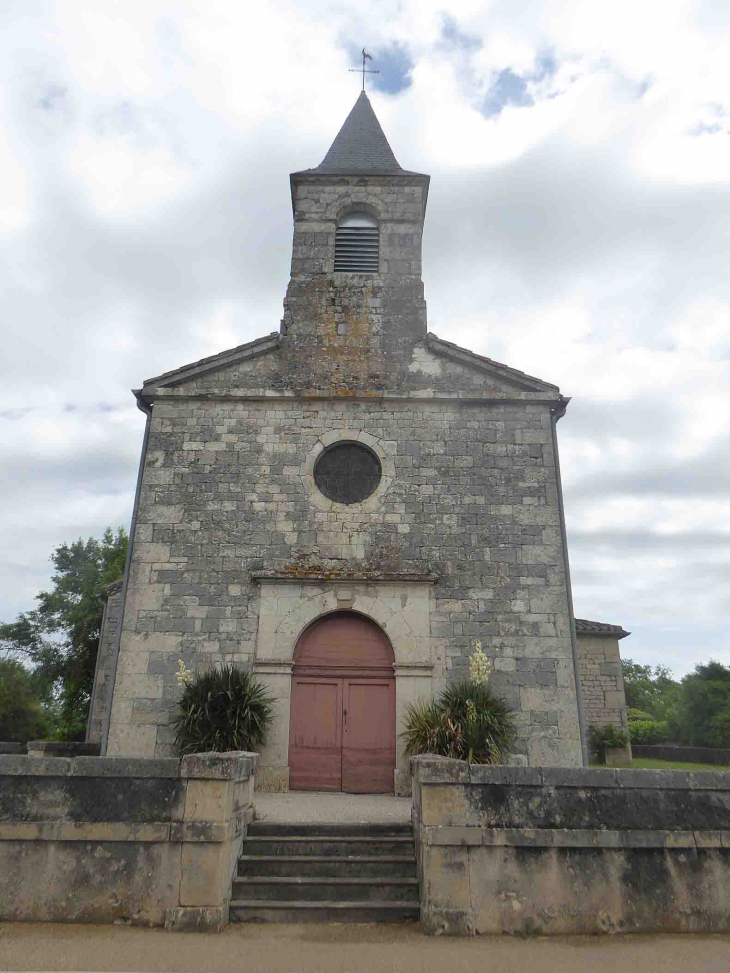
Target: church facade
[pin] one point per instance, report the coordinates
(350, 505)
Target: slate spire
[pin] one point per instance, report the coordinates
(361, 145)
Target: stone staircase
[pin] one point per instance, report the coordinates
(326, 873)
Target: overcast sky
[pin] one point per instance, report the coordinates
(577, 228)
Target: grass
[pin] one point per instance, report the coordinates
(647, 763)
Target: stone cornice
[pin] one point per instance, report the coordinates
(419, 395)
(333, 579)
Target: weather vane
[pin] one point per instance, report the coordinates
(365, 57)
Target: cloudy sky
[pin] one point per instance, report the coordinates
(578, 229)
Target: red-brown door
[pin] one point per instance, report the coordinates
(315, 741)
(342, 734)
(368, 738)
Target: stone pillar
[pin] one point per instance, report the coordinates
(218, 807)
(273, 772)
(412, 683)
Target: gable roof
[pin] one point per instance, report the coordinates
(271, 342)
(470, 358)
(251, 349)
(584, 627)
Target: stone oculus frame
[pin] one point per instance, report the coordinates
(384, 452)
(399, 608)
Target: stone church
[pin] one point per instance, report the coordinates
(351, 505)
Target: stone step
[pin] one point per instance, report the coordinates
(247, 910)
(277, 844)
(328, 866)
(364, 830)
(307, 889)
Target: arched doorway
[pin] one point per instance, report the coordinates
(342, 730)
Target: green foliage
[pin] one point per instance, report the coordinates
(606, 736)
(222, 709)
(701, 717)
(649, 731)
(638, 714)
(467, 722)
(59, 639)
(650, 689)
(22, 716)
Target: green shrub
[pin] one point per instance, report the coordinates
(605, 737)
(649, 731)
(222, 709)
(467, 722)
(638, 714)
(22, 717)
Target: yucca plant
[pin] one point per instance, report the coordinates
(222, 709)
(467, 722)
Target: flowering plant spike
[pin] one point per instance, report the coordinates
(184, 675)
(479, 666)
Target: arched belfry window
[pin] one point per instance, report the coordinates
(356, 244)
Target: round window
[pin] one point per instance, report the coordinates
(347, 472)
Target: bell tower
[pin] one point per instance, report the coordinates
(354, 307)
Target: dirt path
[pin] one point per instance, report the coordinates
(346, 949)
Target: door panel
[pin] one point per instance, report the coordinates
(315, 737)
(368, 740)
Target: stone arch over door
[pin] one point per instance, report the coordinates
(342, 723)
(402, 609)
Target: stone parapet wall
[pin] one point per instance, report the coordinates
(61, 748)
(552, 851)
(98, 839)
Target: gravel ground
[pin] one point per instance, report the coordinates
(339, 948)
(332, 808)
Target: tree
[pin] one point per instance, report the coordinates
(701, 717)
(22, 716)
(59, 639)
(648, 688)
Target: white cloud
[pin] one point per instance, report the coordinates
(145, 222)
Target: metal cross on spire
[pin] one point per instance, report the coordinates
(365, 57)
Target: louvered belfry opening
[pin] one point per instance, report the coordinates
(357, 245)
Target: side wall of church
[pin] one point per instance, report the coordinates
(604, 699)
(472, 498)
(102, 674)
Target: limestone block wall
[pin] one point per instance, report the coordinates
(149, 842)
(472, 502)
(556, 851)
(604, 699)
(349, 331)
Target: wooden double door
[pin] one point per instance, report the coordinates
(342, 732)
